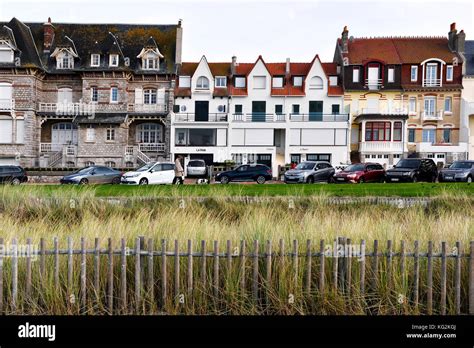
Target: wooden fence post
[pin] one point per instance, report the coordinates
(429, 280)
(164, 276)
(389, 264)
(56, 263)
(176, 269)
(203, 265)
(2, 251)
(190, 269)
(28, 269)
(403, 264)
(416, 276)
(138, 274)
(349, 268)
(255, 271)
(242, 267)
(335, 260)
(443, 278)
(321, 268)
(14, 258)
(471, 278)
(83, 275)
(123, 275)
(458, 278)
(97, 270)
(151, 275)
(216, 270)
(375, 266)
(308, 267)
(110, 294)
(268, 269)
(42, 262)
(295, 264)
(362, 269)
(71, 298)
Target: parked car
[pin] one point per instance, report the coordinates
(93, 175)
(458, 171)
(151, 173)
(361, 173)
(309, 172)
(14, 175)
(246, 172)
(413, 170)
(197, 168)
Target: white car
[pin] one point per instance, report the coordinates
(197, 168)
(151, 173)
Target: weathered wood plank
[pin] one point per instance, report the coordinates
(416, 274)
(308, 267)
(429, 279)
(70, 262)
(14, 261)
(123, 275)
(321, 268)
(138, 275)
(216, 270)
(151, 275)
(110, 277)
(164, 274)
(443, 278)
(176, 269)
(255, 271)
(362, 269)
(242, 268)
(83, 276)
(2, 248)
(190, 269)
(457, 278)
(56, 262)
(471, 278)
(28, 269)
(97, 270)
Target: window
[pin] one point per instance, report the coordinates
(221, 81)
(277, 82)
(332, 80)
(110, 133)
(316, 83)
(335, 109)
(95, 60)
(240, 82)
(64, 60)
(412, 105)
(238, 108)
(94, 94)
(202, 83)
(377, 131)
(148, 133)
(150, 61)
(397, 131)
(446, 135)
(196, 137)
(430, 106)
(113, 60)
(114, 95)
(391, 75)
(20, 131)
(298, 81)
(414, 73)
(355, 75)
(411, 135)
(90, 133)
(279, 109)
(149, 96)
(259, 82)
(449, 72)
(6, 130)
(429, 135)
(89, 164)
(110, 164)
(6, 53)
(184, 81)
(129, 164)
(448, 103)
(318, 157)
(295, 108)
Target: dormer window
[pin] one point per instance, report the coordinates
(449, 72)
(113, 60)
(150, 61)
(95, 60)
(65, 60)
(316, 82)
(202, 83)
(277, 82)
(221, 81)
(239, 82)
(6, 52)
(184, 81)
(298, 81)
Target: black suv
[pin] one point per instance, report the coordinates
(246, 172)
(413, 170)
(14, 175)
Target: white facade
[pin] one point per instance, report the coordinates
(467, 114)
(258, 126)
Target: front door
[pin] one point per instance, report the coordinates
(202, 110)
(316, 110)
(64, 133)
(258, 111)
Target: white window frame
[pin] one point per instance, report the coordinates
(297, 78)
(332, 80)
(110, 164)
(114, 60)
(90, 133)
(415, 68)
(4, 47)
(450, 110)
(431, 102)
(220, 82)
(110, 134)
(318, 85)
(150, 93)
(260, 78)
(96, 89)
(449, 73)
(355, 76)
(240, 82)
(112, 89)
(185, 81)
(150, 62)
(277, 82)
(412, 110)
(63, 57)
(202, 83)
(93, 57)
(391, 75)
(431, 131)
(147, 131)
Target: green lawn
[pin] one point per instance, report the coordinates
(401, 190)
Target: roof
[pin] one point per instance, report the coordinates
(379, 116)
(469, 55)
(115, 118)
(397, 50)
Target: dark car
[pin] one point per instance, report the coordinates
(246, 172)
(360, 173)
(413, 170)
(458, 171)
(14, 175)
(309, 172)
(93, 175)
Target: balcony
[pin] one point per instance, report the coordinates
(151, 147)
(373, 84)
(191, 117)
(67, 108)
(382, 111)
(147, 108)
(259, 117)
(432, 115)
(317, 117)
(423, 147)
(7, 104)
(432, 83)
(381, 146)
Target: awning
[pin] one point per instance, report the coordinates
(115, 118)
(376, 117)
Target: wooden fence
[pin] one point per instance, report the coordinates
(116, 279)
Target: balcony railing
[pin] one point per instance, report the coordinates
(50, 147)
(382, 111)
(381, 146)
(432, 115)
(373, 84)
(432, 83)
(319, 117)
(151, 147)
(7, 104)
(67, 108)
(147, 107)
(191, 117)
(258, 117)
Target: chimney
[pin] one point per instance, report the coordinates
(287, 67)
(452, 37)
(233, 65)
(179, 43)
(48, 35)
(460, 41)
(344, 40)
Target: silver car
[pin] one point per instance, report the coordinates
(197, 168)
(310, 172)
(458, 171)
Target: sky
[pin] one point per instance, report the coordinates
(275, 29)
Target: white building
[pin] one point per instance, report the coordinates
(467, 104)
(270, 113)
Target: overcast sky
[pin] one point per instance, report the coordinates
(274, 29)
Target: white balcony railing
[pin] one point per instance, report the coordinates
(147, 108)
(67, 108)
(7, 104)
(50, 147)
(432, 83)
(381, 146)
(383, 111)
(151, 147)
(373, 84)
(432, 115)
(190, 117)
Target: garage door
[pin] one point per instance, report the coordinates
(8, 161)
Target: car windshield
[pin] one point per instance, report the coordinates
(408, 164)
(305, 166)
(145, 167)
(461, 165)
(84, 170)
(354, 168)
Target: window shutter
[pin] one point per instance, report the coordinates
(6, 131)
(161, 96)
(20, 131)
(138, 95)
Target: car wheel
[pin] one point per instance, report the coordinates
(361, 180)
(225, 180)
(116, 181)
(310, 180)
(83, 182)
(143, 181)
(469, 179)
(261, 179)
(16, 181)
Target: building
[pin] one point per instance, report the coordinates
(82, 94)
(468, 97)
(403, 96)
(270, 113)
